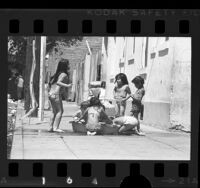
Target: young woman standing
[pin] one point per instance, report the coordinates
(58, 81)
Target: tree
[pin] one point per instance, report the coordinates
(57, 43)
(17, 47)
(17, 53)
(20, 56)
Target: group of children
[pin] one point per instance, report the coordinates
(92, 113)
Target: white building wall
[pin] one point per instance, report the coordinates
(86, 76)
(111, 66)
(158, 83)
(172, 61)
(180, 111)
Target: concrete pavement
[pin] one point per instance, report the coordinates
(32, 141)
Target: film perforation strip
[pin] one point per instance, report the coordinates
(61, 169)
(111, 26)
(159, 170)
(110, 170)
(62, 26)
(134, 169)
(13, 170)
(38, 26)
(14, 26)
(183, 170)
(159, 26)
(37, 169)
(135, 26)
(184, 26)
(86, 169)
(87, 26)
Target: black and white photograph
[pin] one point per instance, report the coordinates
(99, 98)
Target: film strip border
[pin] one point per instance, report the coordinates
(87, 26)
(86, 22)
(106, 173)
(97, 173)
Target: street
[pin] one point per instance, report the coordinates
(32, 141)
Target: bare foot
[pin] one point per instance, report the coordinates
(91, 133)
(139, 133)
(58, 130)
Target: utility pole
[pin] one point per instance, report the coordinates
(42, 78)
(27, 74)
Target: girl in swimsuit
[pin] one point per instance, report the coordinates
(57, 82)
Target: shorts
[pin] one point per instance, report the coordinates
(135, 110)
(55, 97)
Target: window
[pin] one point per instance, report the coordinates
(82, 69)
(106, 44)
(131, 61)
(133, 45)
(98, 72)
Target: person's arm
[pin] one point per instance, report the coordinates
(128, 96)
(61, 79)
(128, 91)
(114, 92)
(83, 116)
(77, 115)
(109, 121)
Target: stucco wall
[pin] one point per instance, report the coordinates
(180, 111)
(168, 82)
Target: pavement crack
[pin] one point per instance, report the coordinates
(164, 143)
(68, 147)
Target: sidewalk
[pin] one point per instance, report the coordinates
(33, 141)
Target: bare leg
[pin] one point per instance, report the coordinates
(138, 127)
(117, 109)
(127, 127)
(122, 108)
(136, 116)
(52, 119)
(54, 112)
(138, 132)
(58, 117)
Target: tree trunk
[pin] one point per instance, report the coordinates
(36, 80)
(34, 103)
(29, 57)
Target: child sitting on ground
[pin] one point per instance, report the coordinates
(93, 114)
(127, 125)
(84, 105)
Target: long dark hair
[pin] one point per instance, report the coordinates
(138, 79)
(94, 101)
(123, 78)
(63, 67)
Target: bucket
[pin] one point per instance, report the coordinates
(79, 127)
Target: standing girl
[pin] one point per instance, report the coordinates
(57, 82)
(138, 81)
(121, 94)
